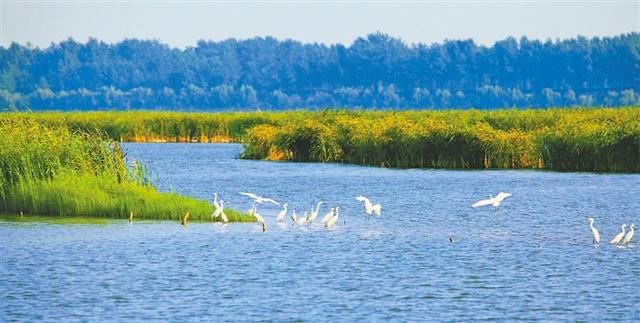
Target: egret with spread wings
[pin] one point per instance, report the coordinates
(259, 199)
(493, 201)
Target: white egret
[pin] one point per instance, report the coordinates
(331, 223)
(493, 201)
(303, 219)
(215, 200)
(594, 231)
(259, 218)
(219, 210)
(282, 213)
(294, 217)
(629, 236)
(327, 216)
(369, 207)
(130, 216)
(224, 217)
(619, 236)
(314, 213)
(259, 199)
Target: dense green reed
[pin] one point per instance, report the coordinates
(55, 170)
(559, 139)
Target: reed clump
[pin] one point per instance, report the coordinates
(52, 169)
(601, 140)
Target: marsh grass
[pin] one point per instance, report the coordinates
(576, 139)
(56, 170)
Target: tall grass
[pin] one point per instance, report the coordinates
(53, 170)
(560, 139)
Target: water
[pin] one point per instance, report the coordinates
(532, 261)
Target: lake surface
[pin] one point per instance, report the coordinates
(533, 260)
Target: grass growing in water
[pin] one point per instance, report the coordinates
(53, 170)
(560, 139)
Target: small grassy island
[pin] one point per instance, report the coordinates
(577, 139)
(57, 170)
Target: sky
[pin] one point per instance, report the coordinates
(182, 23)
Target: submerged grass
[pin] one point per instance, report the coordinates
(54, 170)
(600, 140)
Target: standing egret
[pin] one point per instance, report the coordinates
(594, 231)
(259, 199)
(493, 201)
(294, 217)
(619, 236)
(331, 223)
(303, 219)
(327, 216)
(627, 238)
(259, 218)
(215, 200)
(219, 210)
(282, 213)
(224, 217)
(368, 206)
(130, 216)
(314, 213)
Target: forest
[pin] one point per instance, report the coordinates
(375, 71)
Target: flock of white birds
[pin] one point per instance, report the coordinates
(623, 238)
(330, 219)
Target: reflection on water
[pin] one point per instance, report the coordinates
(533, 260)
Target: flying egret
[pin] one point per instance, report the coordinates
(627, 238)
(259, 218)
(331, 223)
(303, 219)
(594, 231)
(314, 213)
(493, 201)
(282, 213)
(259, 199)
(619, 236)
(368, 206)
(219, 210)
(327, 216)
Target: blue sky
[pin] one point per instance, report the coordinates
(183, 23)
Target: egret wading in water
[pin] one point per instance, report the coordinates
(218, 211)
(327, 216)
(369, 207)
(259, 218)
(303, 219)
(314, 213)
(619, 236)
(282, 213)
(331, 223)
(493, 201)
(294, 217)
(594, 232)
(259, 199)
(627, 239)
(130, 216)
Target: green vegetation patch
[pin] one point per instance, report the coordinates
(61, 171)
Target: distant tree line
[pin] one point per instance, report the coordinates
(377, 71)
